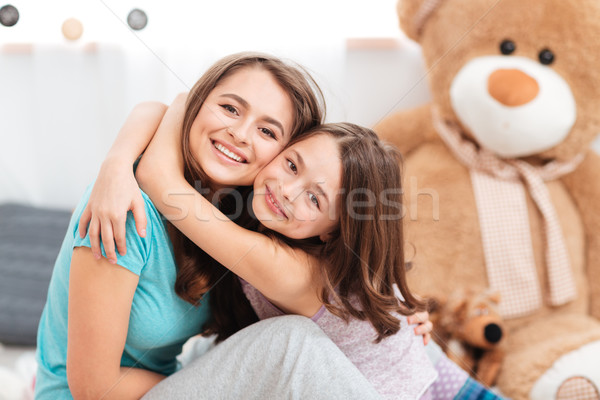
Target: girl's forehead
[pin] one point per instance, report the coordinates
(316, 140)
(318, 154)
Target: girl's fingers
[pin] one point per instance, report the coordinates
(426, 338)
(424, 328)
(108, 241)
(94, 232)
(119, 228)
(138, 209)
(418, 318)
(84, 220)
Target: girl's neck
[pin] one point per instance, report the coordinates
(214, 192)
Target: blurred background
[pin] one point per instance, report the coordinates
(62, 101)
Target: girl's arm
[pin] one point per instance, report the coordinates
(100, 298)
(115, 190)
(283, 275)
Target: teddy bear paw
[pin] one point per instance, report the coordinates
(578, 388)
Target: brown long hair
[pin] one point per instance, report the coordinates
(197, 272)
(363, 258)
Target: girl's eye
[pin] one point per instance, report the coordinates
(268, 132)
(314, 199)
(230, 108)
(292, 166)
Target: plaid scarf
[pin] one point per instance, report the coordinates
(499, 187)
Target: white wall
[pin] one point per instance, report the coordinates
(62, 103)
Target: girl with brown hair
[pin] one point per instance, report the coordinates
(315, 254)
(329, 246)
(113, 331)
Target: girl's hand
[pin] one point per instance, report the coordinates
(115, 192)
(425, 326)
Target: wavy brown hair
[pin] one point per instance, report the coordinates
(197, 272)
(363, 258)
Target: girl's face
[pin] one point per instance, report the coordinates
(243, 124)
(296, 194)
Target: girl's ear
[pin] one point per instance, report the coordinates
(325, 237)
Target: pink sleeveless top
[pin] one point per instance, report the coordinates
(397, 367)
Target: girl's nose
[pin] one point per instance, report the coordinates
(290, 190)
(240, 133)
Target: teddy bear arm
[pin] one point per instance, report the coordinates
(407, 129)
(584, 186)
(489, 366)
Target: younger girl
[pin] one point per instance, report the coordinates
(330, 211)
(335, 197)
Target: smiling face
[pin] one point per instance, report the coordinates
(296, 195)
(245, 121)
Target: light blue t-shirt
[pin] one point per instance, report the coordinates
(160, 321)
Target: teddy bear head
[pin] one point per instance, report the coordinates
(472, 318)
(520, 77)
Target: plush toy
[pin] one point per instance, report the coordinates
(471, 332)
(502, 186)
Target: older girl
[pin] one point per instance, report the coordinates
(113, 331)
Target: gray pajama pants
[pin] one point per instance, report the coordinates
(286, 357)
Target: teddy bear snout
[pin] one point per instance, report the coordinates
(493, 333)
(512, 87)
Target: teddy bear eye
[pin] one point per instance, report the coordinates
(546, 57)
(507, 47)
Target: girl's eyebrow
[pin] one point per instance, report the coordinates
(237, 98)
(245, 104)
(322, 192)
(299, 158)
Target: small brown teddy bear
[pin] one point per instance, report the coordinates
(471, 332)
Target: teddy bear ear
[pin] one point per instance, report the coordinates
(413, 15)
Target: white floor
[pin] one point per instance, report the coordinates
(17, 367)
(9, 354)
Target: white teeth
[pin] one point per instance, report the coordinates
(274, 202)
(228, 153)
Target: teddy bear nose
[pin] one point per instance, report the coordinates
(512, 87)
(493, 333)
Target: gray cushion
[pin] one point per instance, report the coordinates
(30, 239)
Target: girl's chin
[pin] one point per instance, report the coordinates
(269, 221)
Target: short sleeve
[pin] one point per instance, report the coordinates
(138, 248)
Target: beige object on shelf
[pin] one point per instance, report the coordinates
(72, 29)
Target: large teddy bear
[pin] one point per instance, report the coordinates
(502, 187)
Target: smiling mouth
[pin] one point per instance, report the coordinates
(274, 204)
(228, 153)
